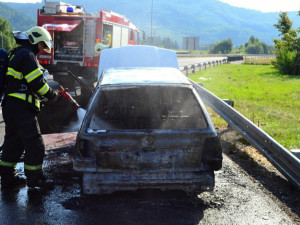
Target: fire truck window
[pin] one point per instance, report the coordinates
(107, 29)
(131, 34)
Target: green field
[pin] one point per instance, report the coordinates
(260, 93)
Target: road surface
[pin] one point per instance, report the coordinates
(237, 199)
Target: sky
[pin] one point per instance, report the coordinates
(24, 1)
(266, 5)
(261, 5)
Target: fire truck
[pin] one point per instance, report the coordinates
(73, 61)
(75, 34)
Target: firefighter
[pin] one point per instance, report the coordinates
(99, 47)
(25, 86)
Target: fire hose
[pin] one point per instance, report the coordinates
(64, 93)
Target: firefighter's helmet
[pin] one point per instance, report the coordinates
(37, 34)
(20, 35)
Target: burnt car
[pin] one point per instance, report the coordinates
(146, 128)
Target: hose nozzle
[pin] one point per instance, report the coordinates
(64, 93)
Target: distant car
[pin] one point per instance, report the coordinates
(146, 127)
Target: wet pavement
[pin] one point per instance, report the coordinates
(237, 199)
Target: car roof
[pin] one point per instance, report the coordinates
(136, 56)
(143, 75)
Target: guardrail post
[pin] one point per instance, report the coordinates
(186, 69)
(199, 66)
(193, 68)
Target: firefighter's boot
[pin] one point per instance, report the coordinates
(36, 179)
(10, 178)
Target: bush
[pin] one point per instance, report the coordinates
(287, 49)
(285, 61)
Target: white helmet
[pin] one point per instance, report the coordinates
(37, 34)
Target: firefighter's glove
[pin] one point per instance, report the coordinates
(45, 74)
(58, 98)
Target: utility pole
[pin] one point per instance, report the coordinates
(1, 40)
(151, 22)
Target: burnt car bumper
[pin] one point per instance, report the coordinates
(109, 182)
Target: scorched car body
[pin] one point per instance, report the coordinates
(146, 127)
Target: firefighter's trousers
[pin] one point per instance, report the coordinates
(22, 133)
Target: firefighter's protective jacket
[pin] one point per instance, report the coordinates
(25, 79)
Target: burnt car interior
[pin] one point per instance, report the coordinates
(147, 107)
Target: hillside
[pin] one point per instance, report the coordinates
(211, 20)
(17, 19)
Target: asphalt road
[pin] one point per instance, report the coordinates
(237, 199)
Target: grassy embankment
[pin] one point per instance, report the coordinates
(260, 93)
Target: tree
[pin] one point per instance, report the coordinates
(7, 39)
(254, 46)
(223, 47)
(266, 48)
(165, 42)
(287, 49)
(284, 24)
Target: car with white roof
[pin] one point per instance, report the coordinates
(145, 127)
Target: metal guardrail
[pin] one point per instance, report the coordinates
(199, 66)
(265, 56)
(282, 159)
(190, 55)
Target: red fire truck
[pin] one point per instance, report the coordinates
(73, 61)
(75, 34)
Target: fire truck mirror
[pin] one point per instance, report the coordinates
(144, 35)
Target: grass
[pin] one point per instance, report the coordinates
(260, 93)
(266, 61)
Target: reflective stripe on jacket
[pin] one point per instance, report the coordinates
(29, 78)
(23, 97)
(25, 79)
(32, 168)
(8, 164)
